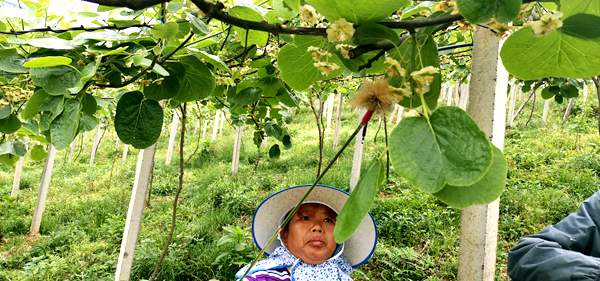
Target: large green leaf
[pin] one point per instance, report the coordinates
(11, 61)
(573, 7)
(371, 33)
(63, 129)
(466, 149)
(89, 104)
(414, 57)
(48, 61)
(484, 191)
(55, 80)
(360, 202)
(358, 11)
(87, 123)
(10, 124)
(15, 148)
(416, 155)
(478, 11)
(296, 64)
(247, 96)
(46, 43)
(582, 25)
(258, 38)
(213, 60)
(452, 151)
(5, 111)
(164, 89)
(196, 81)
(557, 54)
(138, 121)
(38, 153)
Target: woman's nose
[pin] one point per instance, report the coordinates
(317, 228)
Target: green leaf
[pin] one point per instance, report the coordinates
(484, 191)
(89, 104)
(287, 141)
(213, 60)
(165, 31)
(11, 61)
(46, 43)
(274, 151)
(547, 93)
(466, 150)
(200, 27)
(557, 54)
(48, 61)
(15, 148)
(55, 80)
(426, 55)
(274, 130)
(196, 81)
(453, 150)
(569, 91)
(10, 125)
(296, 64)
(582, 25)
(258, 138)
(360, 202)
(415, 154)
(247, 96)
(38, 153)
(358, 11)
(165, 89)
(371, 33)
(477, 11)
(5, 111)
(87, 123)
(63, 129)
(573, 7)
(258, 38)
(138, 121)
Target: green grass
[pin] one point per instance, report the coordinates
(551, 170)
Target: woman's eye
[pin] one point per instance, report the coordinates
(328, 220)
(305, 218)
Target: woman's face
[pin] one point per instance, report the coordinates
(309, 235)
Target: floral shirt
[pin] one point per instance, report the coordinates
(281, 265)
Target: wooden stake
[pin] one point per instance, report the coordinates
(172, 135)
(338, 120)
(512, 103)
(135, 211)
(125, 152)
(479, 224)
(329, 112)
(17, 179)
(235, 161)
(568, 110)
(43, 192)
(221, 121)
(72, 150)
(204, 128)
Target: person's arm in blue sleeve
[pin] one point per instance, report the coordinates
(566, 251)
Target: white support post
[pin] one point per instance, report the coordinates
(17, 179)
(215, 128)
(568, 110)
(172, 135)
(125, 152)
(235, 161)
(72, 150)
(400, 112)
(449, 94)
(204, 128)
(135, 211)
(357, 158)
(96, 143)
(221, 121)
(43, 192)
(512, 103)
(586, 92)
(338, 120)
(329, 113)
(479, 224)
(547, 104)
(464, 96)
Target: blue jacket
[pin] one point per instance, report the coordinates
(566, 251)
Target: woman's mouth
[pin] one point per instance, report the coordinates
(316, 243)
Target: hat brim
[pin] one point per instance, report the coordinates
(358, 249)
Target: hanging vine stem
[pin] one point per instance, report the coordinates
(165, 249)
(363, 123)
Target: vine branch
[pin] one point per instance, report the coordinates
(77, 28)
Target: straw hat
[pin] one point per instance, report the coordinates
(358, 249)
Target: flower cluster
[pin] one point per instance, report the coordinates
(340, 30)
(444, 6)
(272, 50)
(546, 24)
(15, 94)
(309, 16)
(500, 28)
(321, 60)
(344, 50)
(423, 78)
